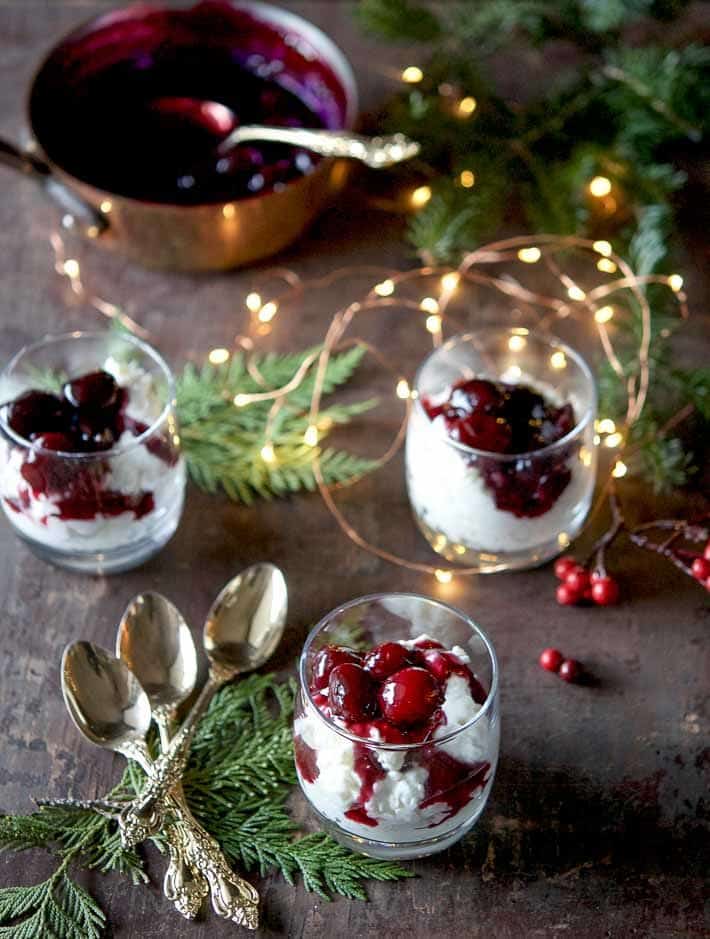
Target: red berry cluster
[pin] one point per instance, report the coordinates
(700, 568)
(580, 586)
(552, 660)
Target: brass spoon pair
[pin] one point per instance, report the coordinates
(112, 701)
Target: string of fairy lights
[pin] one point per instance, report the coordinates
(427, 293)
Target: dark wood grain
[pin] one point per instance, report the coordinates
(595, 826)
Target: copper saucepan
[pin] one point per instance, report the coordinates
(217, 233)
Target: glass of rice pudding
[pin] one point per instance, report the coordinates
(91, 473)
(500, 453)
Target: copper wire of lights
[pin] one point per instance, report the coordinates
(439, 284)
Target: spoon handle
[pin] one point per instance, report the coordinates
(376, 152)
(233, 897)
(167, 771)
(184, 884)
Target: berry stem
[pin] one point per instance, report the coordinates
(680, 529)
(618, 524)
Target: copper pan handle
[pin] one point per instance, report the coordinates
(77, 212)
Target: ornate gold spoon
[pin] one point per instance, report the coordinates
(218, 119)
(111, 709)
(242, 630)
(156, 644)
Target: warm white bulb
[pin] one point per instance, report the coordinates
(267, 453)
(576, 293)
(253, 302)
(530, 255)
(604, 314)
(675, 282)
(71, 268)
(420, 196)
(311, 436)
(558, 360)
(402, 389)
(602, 247)
(429, 305)
(606, 266)
(433, 323)
(620, 469)
(467, 106)
(412, 75)
(268, 312)
(444, 577)
(450, 281)
(218, 356)
(600, 186)
(385, 288)
(467, 178)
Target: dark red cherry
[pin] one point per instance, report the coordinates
(351, 692)
(95, 391)
(409, 697)
(442, 664)
(482, 432)
(55, 440)
(475, 394)
(423, 644)
(35, 412)
(386, 659)
(326, 660)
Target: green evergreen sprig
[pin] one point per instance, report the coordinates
(623, 113)
(223, 443)
(238, 780)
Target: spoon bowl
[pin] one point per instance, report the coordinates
(156, 644)
(103, 697)
(247, 620)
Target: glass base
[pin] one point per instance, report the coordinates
(400, 851)
(114, 561)
(491, 562)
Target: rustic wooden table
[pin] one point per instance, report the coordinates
(594, 827)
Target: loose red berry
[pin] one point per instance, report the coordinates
(409, 697)
(577, 579)
(701, 569)
(386, 659)
(605, 591)
(566, 596)
(326, 660)
(570, 670)
(551, 659)
(351, 692)
(706, 553)
(564, 566)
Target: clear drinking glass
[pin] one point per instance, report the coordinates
(497, 511)
(399, 800)
(103, 511)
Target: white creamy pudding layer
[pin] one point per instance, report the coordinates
(395, 802)
(451, 498)
(131, 473)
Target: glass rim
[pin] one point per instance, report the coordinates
(415, 745)
(116, 450)
(549, 340)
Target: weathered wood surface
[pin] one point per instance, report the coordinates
(595, 824)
